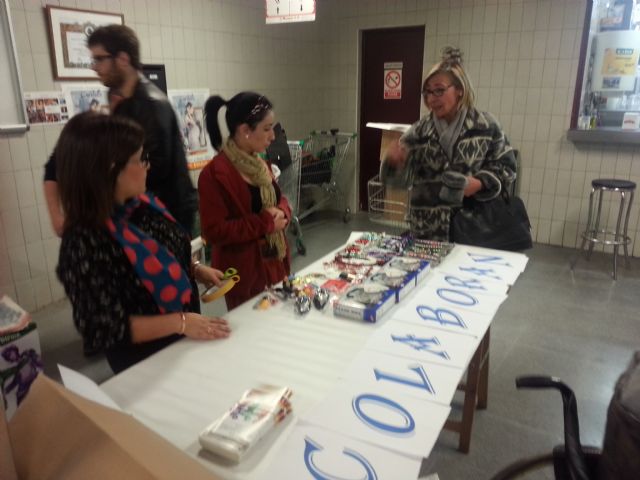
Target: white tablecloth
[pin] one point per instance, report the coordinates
(185, 387)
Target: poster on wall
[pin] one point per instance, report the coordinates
(83, 98)
(46, 107)
(288, 11)
(393, 80)
(189, 108)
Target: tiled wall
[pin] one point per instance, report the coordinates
(522, 56)
(222, 45)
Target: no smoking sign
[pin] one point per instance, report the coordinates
(393, 81)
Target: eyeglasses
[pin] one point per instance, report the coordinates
(99, 59)
(436, 92)
(144, 160)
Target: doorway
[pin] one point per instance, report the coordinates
(390, 83)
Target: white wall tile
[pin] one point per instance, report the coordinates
(57, 290)
(5, 156)
(543, 231)
(538, 49)
(12, 227)
(25, 188)
(42, 291)
(20, 31)
(19, 151)
(6, 276)
(19, 263)
(575, 207)
(556, 234)
(550, 181)
(26, 297)
(559, 208)
(30, 224)
(594, 161)
(37, 31)
(570, 235)
(8, 192)
(542, 14)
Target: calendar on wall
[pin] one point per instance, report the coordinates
(288, 11)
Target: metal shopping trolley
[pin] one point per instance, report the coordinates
(388, 206)
(322, 161)
(289, 182)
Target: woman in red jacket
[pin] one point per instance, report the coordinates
(242, 211)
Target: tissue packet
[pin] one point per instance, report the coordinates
(251, 418)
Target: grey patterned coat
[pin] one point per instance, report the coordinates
(482, 151)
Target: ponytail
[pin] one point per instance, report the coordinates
(211, 109)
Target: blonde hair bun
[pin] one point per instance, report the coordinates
(451, 56)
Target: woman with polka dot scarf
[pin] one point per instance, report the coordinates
(124, 262)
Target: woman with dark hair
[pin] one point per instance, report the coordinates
(453, 155)
(124, 262)
(242, 211)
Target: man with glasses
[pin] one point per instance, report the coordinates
(115, 52)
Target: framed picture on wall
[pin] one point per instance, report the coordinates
(69, 29)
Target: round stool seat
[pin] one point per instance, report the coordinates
(613, 184)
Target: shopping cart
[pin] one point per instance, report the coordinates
(388, 206)
(289, 182)
(322, 161)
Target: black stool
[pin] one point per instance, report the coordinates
(594, 234)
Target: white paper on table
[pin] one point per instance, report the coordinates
(396, 422)
(422, 343)
(467, 283)
(311, 453)
(85, 387)
(489, 256)
(442, 317)
(425, 381)
(483, 266)
(453, 298)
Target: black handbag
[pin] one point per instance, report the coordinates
(501, 223)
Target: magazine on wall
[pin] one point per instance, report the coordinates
(87, 97)
(189, 108)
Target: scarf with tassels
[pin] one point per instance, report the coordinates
(255, 169)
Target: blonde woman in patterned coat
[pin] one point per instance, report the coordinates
(452, 154)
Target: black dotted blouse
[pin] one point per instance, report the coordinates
(105, 290)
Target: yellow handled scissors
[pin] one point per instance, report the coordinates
(230, 277)
(231, 273)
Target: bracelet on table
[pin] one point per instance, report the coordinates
(184, 323)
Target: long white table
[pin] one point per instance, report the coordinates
(183, 388)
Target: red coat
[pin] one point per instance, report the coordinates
(235, 232)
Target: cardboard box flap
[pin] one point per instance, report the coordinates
(57, 434)
(7, 467)
(394, 127)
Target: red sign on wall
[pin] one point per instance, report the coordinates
(393, 80)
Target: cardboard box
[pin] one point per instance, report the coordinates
(350, 305)
(401, 282)
(396, 200)
(420, 268)
(57, 434)
(20, 363)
